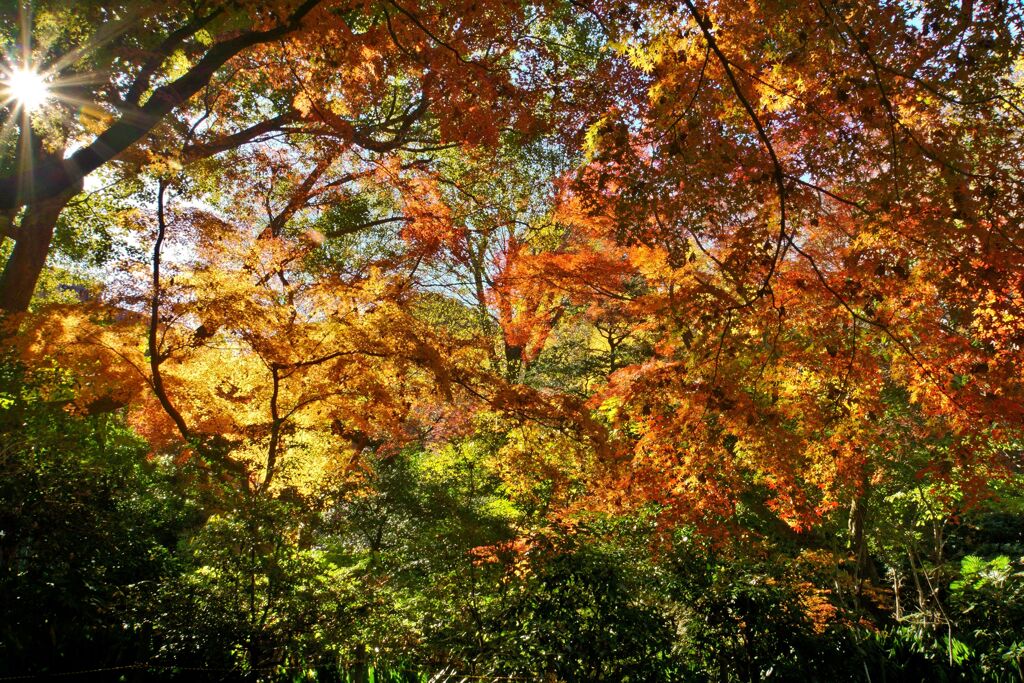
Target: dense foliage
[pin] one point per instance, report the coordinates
(512, 340)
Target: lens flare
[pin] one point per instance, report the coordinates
(27, 87)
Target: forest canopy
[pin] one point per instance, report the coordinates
(554, 340)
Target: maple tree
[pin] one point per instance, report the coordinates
(203, 78)
(812, 201)
(297, 183)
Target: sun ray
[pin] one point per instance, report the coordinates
(27, 87)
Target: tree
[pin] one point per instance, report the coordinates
(202, 78)
(88, 523)
(820, 204)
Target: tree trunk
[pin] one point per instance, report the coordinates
(34, 235)
(864, 567)
(360, 671)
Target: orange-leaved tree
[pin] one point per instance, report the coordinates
(822, 202)
(135, 84)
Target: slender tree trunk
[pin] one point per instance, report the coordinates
(864, 568)
(156, 355)
(34, 235)
(360, 672)
(275, 430)
(855, 527)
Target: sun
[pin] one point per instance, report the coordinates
(26, 87)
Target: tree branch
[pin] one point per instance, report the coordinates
(778, 175)
(141, 83)
(52, 177)
(155, 355)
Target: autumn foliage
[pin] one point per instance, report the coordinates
(793, 215)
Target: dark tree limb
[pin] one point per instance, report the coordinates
(778, 174)
(156, 356)
(52, 177)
